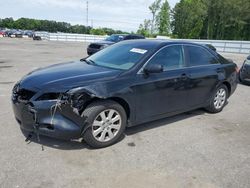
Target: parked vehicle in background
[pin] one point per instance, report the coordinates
(28, 34)
(97, 46)
(244, 73)
(18, 34)
(126, 84)
(2, 33)
(36, 37)
(10, 33)
(13, 33)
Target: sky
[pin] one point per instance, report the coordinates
(125, 15)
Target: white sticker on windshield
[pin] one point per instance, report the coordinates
(137, 50)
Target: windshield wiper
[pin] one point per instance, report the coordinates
(88, 61)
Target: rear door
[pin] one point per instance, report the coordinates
(203, 71)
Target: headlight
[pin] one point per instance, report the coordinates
(104, 46)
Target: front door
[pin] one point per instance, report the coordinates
(165, 92)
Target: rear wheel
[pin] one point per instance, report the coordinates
(106, 121)
(218, 100)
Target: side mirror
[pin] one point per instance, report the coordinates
(153, 68)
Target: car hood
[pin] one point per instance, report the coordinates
(66, 76)
(104, 42)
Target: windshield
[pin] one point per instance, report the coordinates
(115, 38)
(120, 56)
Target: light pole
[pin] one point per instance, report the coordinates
(87, 13)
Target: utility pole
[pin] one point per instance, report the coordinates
(87, 13)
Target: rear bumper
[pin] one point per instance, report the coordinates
(43, 117)
(245, 72)
(37, 38)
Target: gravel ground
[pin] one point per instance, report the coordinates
(194, 149)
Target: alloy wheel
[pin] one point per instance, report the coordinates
(220, 98)
(106, 125)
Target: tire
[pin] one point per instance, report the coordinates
(99, 132)
(218, 95)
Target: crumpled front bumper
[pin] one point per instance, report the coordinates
(45, 118)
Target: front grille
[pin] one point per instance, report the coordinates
(22, 94)
(96, 46)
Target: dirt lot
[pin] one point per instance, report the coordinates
(194, 149)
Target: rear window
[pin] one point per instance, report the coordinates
(199, 56)
(131, 37)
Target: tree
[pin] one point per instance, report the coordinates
(163, 19)
(212, 19)
(98, 31)
(53, 26)
(188, 18)
(144, 29)
(154, 8)
(228, 19)
(7, 22)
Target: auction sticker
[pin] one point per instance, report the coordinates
(138, 50)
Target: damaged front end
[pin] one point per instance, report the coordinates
(55, 115)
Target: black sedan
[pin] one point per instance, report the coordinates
(244, 73)
(97, 46)
(126, 84)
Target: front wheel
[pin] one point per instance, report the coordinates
(218, 100)
(106, 121)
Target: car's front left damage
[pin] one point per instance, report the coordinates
(50, 101)
(55, 114)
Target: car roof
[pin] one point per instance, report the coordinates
(127, 35)
(162, 42)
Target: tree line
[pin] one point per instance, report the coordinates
(53, 26)
(199, 19)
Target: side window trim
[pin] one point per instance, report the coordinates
(186, 54)
(185, 65)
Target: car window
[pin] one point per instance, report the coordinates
(121, 56)
(131, 37)
(127, 37)
(169, 57)
(199, 56)
(115, 38)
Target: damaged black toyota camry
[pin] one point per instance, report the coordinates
(126, 84)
